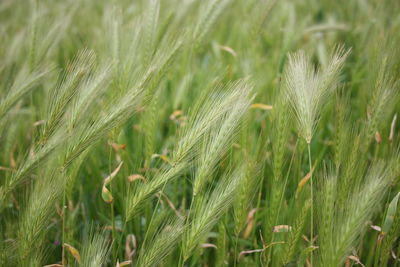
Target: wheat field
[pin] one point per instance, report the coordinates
(199, 133)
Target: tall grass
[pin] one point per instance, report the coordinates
(199, 133)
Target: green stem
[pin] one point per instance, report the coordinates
(125, 222)
(281, 199)
(235, 255)
(63, 228)
(312, 202)
(113, 232)
(153, 214)
(190, 208)
(181, 256)
(181, 261)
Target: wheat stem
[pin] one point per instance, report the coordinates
(63, 228)
(113, 232)
(235, 255)
(312, 202)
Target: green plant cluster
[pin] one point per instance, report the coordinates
(199, 133)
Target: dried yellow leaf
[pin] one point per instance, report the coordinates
(130, 246)
(109, 178)
(105, 193)
(74, 252)
(250, 223)
(281, 228)
(355, 259)
(228, 49)
(134, 177)
(208, 245)
(175, 114)
(124, 263)
(261, 106)
(303, 181)
(378, 137)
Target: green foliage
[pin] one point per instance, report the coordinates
(246, 133)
